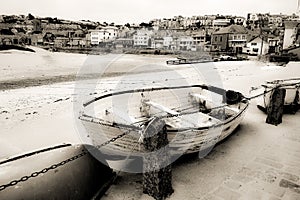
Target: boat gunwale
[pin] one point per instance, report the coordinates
(214, 89)
(229, 120)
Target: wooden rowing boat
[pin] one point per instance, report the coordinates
(197, 117)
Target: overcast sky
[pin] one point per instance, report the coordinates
(122, 11)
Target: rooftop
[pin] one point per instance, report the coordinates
(232, 29)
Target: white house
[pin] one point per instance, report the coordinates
(199, 37)
(168, 42)
(275, 20)
(185, 43)
(142, 38)
(105, 34)
(221, 22)
(256, 46)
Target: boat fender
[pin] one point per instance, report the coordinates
(233, 97)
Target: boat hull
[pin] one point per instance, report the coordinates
(180, 141)
(192, 131)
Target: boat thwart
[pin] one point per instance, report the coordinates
(197, 117)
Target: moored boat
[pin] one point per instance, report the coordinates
(291, 87)
(182, 61)
(196, 116)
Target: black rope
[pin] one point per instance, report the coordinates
(274, 88)
(258, 95)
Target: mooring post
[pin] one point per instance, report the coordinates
(295, 105)
(275, 108)
(157, 170)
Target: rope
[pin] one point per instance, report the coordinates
(282, 80)
(274, 88)
(262, 94)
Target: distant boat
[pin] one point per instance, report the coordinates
(291, 86)
(181, 61)
(204, 59)
(194, 122)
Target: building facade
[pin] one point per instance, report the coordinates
(105, 34)
(219, 23)
(184, 43)
(232, 38)
(257, 46)
(142, 38)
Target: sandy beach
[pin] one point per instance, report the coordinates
(39, 91)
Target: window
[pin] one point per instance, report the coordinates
(253, 44)
(221, 38)
(255, 50)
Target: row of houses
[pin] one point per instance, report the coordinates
(268, 19)
(222, 33)
(44, 31)
(234, 38)
(217, 21)
(238, 39)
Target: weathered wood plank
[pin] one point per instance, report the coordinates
(275, 108)
(157, 171)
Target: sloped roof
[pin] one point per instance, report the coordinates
(232, 29)
(253, 35)
(260, 37)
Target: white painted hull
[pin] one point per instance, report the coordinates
(185, 138)
(290, 87)
(181, 142)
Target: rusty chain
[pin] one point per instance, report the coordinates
(54, 166)
(113, 139)
(43, 171)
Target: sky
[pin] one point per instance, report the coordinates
(137, 11)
